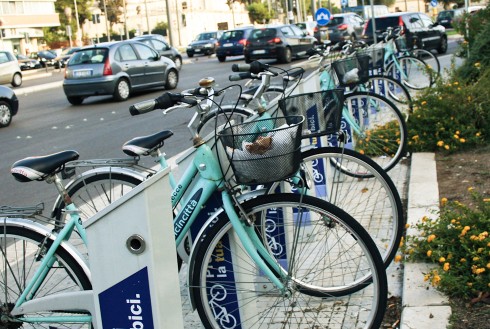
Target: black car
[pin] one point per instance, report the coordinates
(281, 42)
(418, 28)
(232, 42)
(160, 44)
(62, 59)
(204, 44)
(343, 27)
(447, 17)
(9, 106)
(45, 57)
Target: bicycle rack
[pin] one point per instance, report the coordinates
(133, 260)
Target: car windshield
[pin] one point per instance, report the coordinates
(88, 56)
(69, 51)
(335, 21)
(205, 36)
(263, 34)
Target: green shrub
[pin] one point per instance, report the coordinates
(459, 243)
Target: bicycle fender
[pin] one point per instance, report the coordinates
(117, 170)
(43, 230)
(242, 198)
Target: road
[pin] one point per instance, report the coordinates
(47, 123)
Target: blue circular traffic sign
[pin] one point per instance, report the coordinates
(322, 16)
(433, 3)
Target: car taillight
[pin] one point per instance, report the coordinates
(275, 40)
(242, 42)
(342, 27)
(401, 25)
(107, 68)
(315, 29)
(365, 28)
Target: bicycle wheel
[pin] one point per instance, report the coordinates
(374, 126)
(411, 71)
(208, 125)
(22, 250)
(431, 60)
(393, 90)
(360, 187)
(327, 278)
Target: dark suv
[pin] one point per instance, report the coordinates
(418, 28)
(204, 44)
(347, 26)
(232, 42)
(281, 42)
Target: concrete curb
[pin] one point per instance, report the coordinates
(423, 306)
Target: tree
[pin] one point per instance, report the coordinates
(161, 28)
(258, 13)
(115, 11)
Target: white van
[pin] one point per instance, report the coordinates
(366, 11)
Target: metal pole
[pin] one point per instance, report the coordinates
(125, 20)
(375, 38)
(169, 23)
(79, 34)
(147, 20)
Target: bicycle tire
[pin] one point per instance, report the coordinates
(417, 74)
(360, 187)
(382, 132)
(258, 302)
(394, 90)
(25, 248)
(430, 59)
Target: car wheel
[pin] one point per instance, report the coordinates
(73, 100)
(190, 55)
(443, 46)
(172, 80)
(5, 114)
(286, 56)
(222, 58)
(122, 90)
(16, 80)
(178, 63)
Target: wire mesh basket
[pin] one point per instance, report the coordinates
(376, 57)
(352, 71)
(263, 151)
(322, 111)
(401, 43)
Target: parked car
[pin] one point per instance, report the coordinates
(117, 68)
(10, 71)
(45, 57)
(161, 45)
(346, 26)
(9, 106)
(27, 63)
(204, 43)
(231, 42)
(281, 42)
(447, 17)
(418, 28)
(64, 56)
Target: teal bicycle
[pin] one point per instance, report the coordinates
(235, 278)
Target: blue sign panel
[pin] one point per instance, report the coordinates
(127, 304)
(433, 3)
(322, 16)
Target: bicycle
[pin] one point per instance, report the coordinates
(280, 288)
(344, 177)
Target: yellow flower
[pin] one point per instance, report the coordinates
(477, 64)
(478, 134)
(469, 98)
(456, 83)
(446, 147)
(471, 188)
(442, 260)
(462, 140)
(416, 137)
(462, 260)
(398, 258)
(423, 102)
(456, 136)
(475, 259)
(488, 265)
(440, 143)
(435, 280)
(427, 277)
(443, 201)
(457, 132)
(446, 267)
(486, 200)
(431, 237)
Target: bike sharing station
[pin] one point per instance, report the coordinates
(133, 263)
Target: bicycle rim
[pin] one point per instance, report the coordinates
(412, 72)
(374, 127)
(431, 60)
(328, 285)
(394, 91)
(226, 116)
(361, 188)
(22, 256)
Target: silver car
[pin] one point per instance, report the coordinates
(117, 69)
(9, 69)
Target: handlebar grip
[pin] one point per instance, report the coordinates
(255, 67)
(240, 68)
(240, 76)
(142, 107)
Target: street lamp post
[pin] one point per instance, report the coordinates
(79, 32)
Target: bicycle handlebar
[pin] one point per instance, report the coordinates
(161, 103)
(255, 67)
(241, 76)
